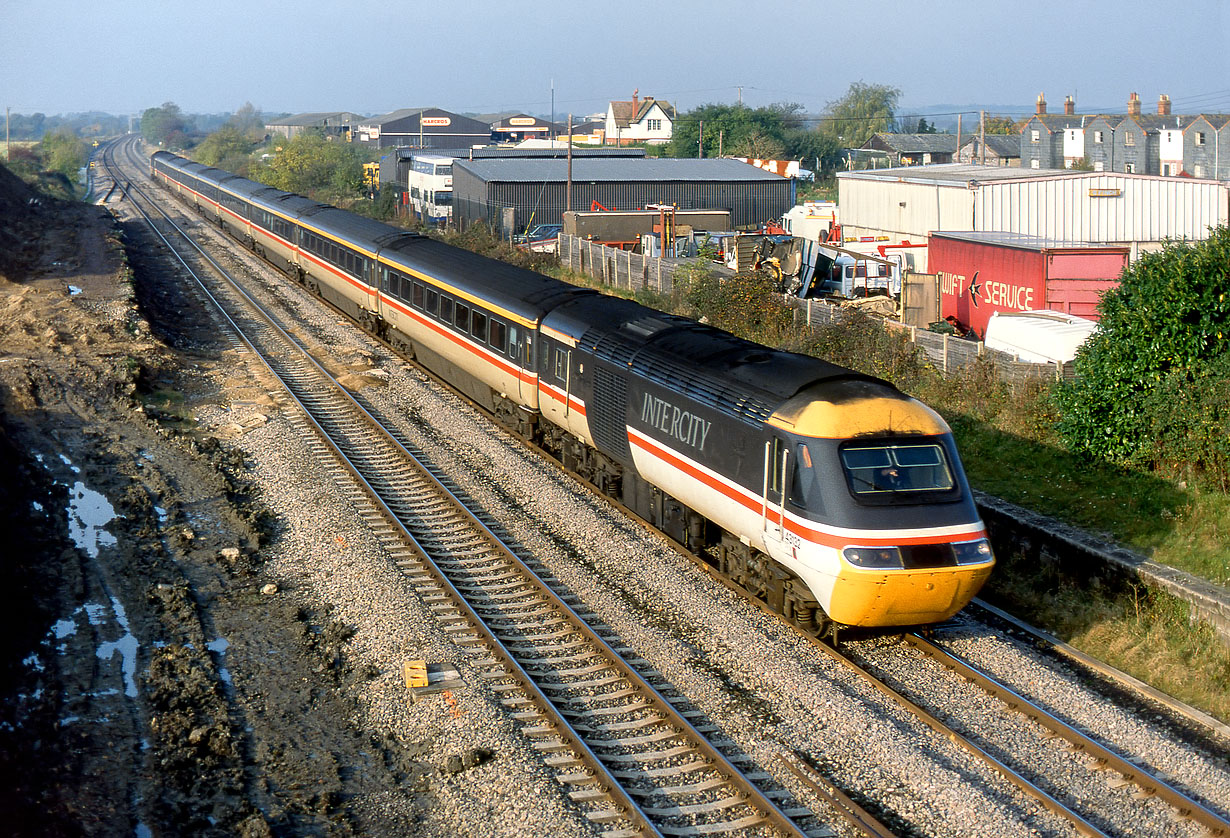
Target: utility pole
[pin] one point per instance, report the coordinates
(700, 143)
(721, 136)
(959, 138)
(553, 116)
(8, 149)
(740, 96)
(982, 138)
(568, 188)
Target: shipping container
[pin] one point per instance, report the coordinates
(984, 273)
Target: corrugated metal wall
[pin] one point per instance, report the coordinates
(750, 202)
(1146, 209)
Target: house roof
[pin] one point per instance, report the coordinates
(609, 169)
(626, 115)
(1002, 145)
(913, 143)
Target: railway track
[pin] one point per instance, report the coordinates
(631, 757)
(513, 612)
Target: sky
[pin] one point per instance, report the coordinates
(546, 56)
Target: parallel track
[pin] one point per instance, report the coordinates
(633, 762)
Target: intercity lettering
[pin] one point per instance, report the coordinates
(686, 427)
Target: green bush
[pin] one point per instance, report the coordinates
(1163, 336)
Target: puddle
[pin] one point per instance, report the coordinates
(88, 512)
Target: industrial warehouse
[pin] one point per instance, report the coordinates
(507, 194)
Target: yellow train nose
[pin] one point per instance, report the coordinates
(904, 597)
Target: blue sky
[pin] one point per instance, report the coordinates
(373, 56)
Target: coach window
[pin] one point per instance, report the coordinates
(430, 298)
(384, 281)
(478, 325)
(514, 344)
(497, 336)
(418, 295)
(446, 309)
(462, 318)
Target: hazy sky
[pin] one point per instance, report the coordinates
(373, 56)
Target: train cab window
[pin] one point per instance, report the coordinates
(497, 336)
(875, 470)
(478, 325)
(446, 309)
(430, 300)
(418, 295)
(561, 363)
(462, 317)
(775, 469)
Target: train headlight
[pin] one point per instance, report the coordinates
(875, 557)
(972, 552)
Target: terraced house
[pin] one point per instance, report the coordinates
(1161, 143)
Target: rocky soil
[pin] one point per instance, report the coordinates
(154, 683)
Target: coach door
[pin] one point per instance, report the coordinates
(773, 497)
(521, 349)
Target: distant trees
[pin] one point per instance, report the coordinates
(164, 126)
(775, 132)
(1002, 125)
(231, 146)
(310, 164)
(1152, 385)
(864, 110)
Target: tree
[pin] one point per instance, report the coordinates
(925, 127)
(64, 152)
(249, 122)
(1151, 381)
(311, 164)
(863, 111)
(227, 148)
(164, 125)
(1001, 125)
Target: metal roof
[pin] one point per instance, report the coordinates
(1024, 241)
(317, 118)
(958, 174)
(591, 169)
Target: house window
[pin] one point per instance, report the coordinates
(1130, 168)
(1035, 136)
(1035, 164)
(654, 124)
(1099, 166)
(1199, 138)
(1097, 136)
(1129, 138)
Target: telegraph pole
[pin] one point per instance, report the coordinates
(700, 143)
(8, 150)
(982, 137)
(568, 189)
(959, 140)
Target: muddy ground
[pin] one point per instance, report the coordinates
(133, 545)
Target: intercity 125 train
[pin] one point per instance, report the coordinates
(829, 494)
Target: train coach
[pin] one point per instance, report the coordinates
(830, 494)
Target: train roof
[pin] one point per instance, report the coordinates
(737, 376)
(526, 293)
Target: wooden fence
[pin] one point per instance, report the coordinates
(634, 272)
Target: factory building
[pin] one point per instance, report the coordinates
(508, 194)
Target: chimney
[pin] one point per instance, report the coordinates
(1041, 104)
(1134, 105)
(1163, 105)
(636, 101)
(1069, 106)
